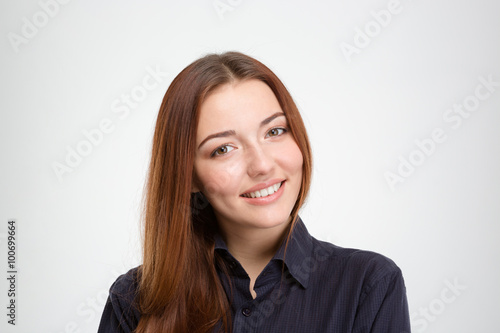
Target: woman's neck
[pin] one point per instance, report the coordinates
(254, 247)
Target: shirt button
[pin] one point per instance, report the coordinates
(246, 312)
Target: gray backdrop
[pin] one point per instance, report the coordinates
(400, 99)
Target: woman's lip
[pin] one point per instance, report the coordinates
(262, 186)
(267, 199)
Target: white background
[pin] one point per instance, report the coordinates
(62, 73)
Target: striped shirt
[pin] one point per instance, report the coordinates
(316, 287)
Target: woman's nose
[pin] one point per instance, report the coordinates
(259, 161)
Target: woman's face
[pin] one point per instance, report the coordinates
(247, 163)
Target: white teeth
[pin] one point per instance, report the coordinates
(264, 192)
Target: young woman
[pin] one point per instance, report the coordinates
(224, 247)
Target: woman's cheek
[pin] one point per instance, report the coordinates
(291, 157)
(215, 180)
(299, 159)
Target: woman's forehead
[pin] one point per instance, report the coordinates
(240, 104)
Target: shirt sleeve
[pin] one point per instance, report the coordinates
(120, 313)
(384, 308)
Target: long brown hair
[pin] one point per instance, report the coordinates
(179, 289)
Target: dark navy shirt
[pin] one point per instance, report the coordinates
(315, 287)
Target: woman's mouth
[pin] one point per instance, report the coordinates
(264, 192)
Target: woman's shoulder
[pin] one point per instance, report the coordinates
(121, 312)
(334, 260)
(366, 265)
(368, 281)
(126, 285)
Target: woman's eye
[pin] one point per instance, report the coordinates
(222, 150)
(276, 131)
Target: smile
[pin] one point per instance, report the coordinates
(264, 192)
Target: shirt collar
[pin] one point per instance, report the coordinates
(297, 253)
(219, 243)
(296, 256)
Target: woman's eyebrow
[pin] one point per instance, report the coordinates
(233, 132)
